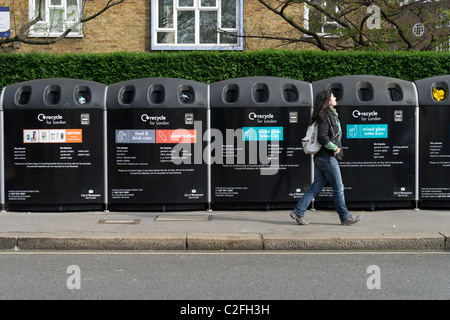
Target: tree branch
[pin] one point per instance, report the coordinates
(13, 43)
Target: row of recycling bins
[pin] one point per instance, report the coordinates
(174, 144)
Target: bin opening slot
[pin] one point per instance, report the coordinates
(52, 94)
(231, 93)
(23, 95)
(290, 93)
(364, 91)
(186, 94)
(337, 90)
(394, 92)
(156, 94)
(260, 93)
(440, 91)
(82, 94)
(126, 94)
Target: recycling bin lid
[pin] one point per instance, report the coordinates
(54, 93)
(434, 91)
(261, 92)
(157, 93)
(357, 90)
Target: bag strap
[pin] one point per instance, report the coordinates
(332, 130)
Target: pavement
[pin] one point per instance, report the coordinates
(224, 230)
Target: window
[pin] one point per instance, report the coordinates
(444, 20)
(56, 17)
(418, 29)
(444, 47)
(318, 23)
(196, 24)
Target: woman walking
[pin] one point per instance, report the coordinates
(326, 166)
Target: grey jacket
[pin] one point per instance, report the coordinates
(329, 141)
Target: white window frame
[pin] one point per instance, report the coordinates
(324, 23)
(43, 28)
(444, 47)
(444, 17)
(418, 29)
(197, 8)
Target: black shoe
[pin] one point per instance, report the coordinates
(351, 220)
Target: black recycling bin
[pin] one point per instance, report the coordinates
(257, 160)
(378, 123)
(434, 142)
(54, 145)
(155, 144)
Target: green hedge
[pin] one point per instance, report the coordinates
(211, 66)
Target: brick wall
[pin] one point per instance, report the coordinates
(258, 20)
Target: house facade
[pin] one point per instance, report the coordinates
(152, 25)
(166, 25)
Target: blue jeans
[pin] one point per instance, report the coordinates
(325, 169)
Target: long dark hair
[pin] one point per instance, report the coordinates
(321, 105)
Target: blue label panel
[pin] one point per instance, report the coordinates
(367, 131)
(262, 133)
(135, 136)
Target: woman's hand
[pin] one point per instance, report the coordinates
(337, 152)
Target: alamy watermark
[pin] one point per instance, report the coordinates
(374, 280)
(374, 20)
(74, 280)
(263, 147)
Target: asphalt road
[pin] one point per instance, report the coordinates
(224, 275)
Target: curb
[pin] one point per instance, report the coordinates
(221, 241)
(225, 241)
(156, 241)
(398, 242)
